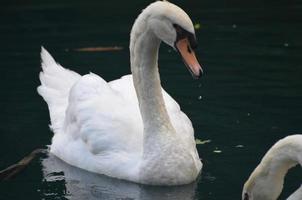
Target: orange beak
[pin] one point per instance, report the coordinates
(189, 58)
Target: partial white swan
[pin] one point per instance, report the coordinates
(297, 195)
(266, 181)
(129, 128)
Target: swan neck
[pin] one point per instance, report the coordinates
(144, 47)
(270, 173)
(280, 158)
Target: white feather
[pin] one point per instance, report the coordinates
(56, 83)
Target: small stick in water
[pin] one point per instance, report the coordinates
(95, 49)
(14, 169)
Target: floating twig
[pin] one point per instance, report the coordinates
(96, 49)
(14, 169)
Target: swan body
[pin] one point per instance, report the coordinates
(266, 181)
(129, 128)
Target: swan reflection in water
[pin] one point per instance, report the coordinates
(80, 184)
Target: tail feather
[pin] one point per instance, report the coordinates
(56, 83)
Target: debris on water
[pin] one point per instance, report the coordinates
(97, 49)
(234, 26)
(13, 170)
(200, 97)
(286, 44)
(199, 141)
(199, 85)
(209, 177)
(217, 150)
(248, 114)
(197, 26)
(239, 146)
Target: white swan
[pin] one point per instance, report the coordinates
(135, 132)
(266, 181)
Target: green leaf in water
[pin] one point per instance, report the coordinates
(199, 141)
(197, 26)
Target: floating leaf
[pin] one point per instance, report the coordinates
(199, 141)
(217, 151)
(197, 26)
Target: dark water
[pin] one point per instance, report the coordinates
(251, 94)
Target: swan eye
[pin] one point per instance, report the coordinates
(246, 196)
(189, 49)
(182, 33)
(178, 29)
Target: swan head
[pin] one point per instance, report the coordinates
(173, 26)
(261, 185)
(266, 181)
